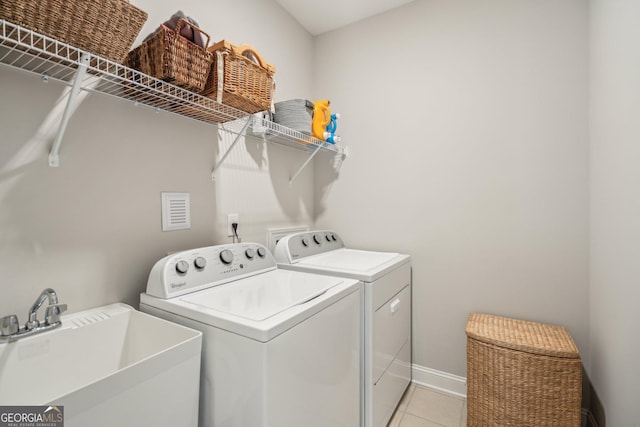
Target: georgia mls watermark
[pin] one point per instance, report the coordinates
(31, 416)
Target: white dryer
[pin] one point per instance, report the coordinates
(387, 311)
(280, 348)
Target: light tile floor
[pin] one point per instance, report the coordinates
(425, 407)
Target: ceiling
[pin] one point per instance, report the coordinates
(320, 16)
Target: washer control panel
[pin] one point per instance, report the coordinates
(300, 245)
(187, 271)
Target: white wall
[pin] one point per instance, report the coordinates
(615, 208)
(91, 228)
(466, 123)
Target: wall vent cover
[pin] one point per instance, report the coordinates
(176, 211)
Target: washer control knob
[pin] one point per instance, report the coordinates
(333, 237)
(200, 262)
(328, 237)
(305, 242)
(261, 252)
(226, 256)
(250, 253)
(182, 266)
(317, 238)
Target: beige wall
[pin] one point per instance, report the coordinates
(91, 228)
(615, 208)
(467, 124)
(467, 128)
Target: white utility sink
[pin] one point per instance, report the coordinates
(109, 366)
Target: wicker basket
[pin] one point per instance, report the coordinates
(106, 28)
(170, 57)
(521, 373)
(236, 80)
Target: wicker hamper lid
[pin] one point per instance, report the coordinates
(522, 335)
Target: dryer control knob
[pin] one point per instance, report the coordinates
(200, 263)
(328, 237)
(305, 242)
(261, 252)
(333, 236)
(250, 253)
(182, 267)
(226, 256)
(317, 238)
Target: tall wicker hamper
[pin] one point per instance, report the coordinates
(521, 373)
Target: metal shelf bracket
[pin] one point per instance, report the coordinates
(304, 165)
(233, 144)
(54, 158)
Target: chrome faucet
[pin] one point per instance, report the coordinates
(9, 326)
(50, 294)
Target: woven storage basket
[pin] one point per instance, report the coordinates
(521, 374)
(170, 57)
(106, 28)
(236, 80)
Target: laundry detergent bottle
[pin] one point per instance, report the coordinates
(323, 124)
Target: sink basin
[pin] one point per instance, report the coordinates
(108, 366)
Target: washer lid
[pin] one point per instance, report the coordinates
(352, 263)
(260, 297)
(351, 259)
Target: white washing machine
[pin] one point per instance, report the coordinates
(387, 311)
(280, 348)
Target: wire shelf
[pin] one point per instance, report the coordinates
(35, 53)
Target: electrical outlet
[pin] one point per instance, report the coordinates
(232, 218)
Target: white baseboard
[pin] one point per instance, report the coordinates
(442, 381)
